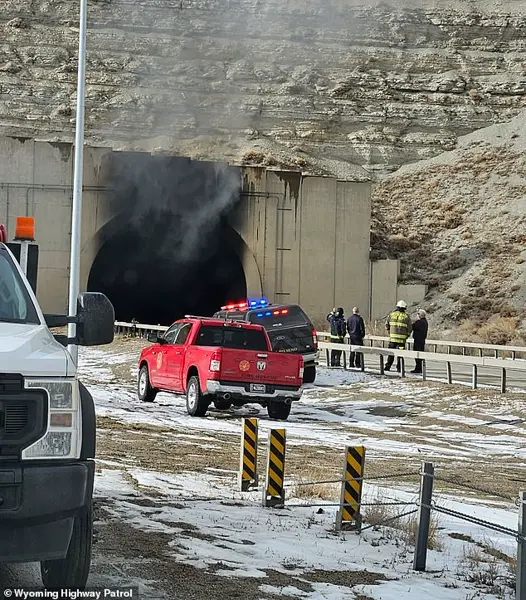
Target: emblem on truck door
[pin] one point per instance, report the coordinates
(159, 360)
(261, 365)
(244, 365)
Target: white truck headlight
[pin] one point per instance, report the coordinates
(63, 435)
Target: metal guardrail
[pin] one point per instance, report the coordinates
(495, 349)
(122, 327)
(503, 364)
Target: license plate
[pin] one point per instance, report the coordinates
(258, 387)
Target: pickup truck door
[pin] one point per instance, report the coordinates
(175, 354)
(158, 374)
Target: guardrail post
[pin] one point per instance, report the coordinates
(520, 591)
(344, 356)
(448, 372)
(328, 357)
(382, 368)
(402, 366)
(274, 492)
(424, 516)
(248, 467)
(424, 374)
(474, 379)
(348, 516)
(503, 381)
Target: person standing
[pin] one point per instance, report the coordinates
(356, 330)
(420, 329)
(337, 321)
(398, 325)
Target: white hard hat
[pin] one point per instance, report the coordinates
(401, 304)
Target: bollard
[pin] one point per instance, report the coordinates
(520, 591)
(274, 492)
(424, 516)
(248, 468)
(348, 516)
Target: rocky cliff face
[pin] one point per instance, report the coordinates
(458, 223)
(315, 84)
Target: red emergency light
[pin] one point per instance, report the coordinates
(3, 233)
(238, 306)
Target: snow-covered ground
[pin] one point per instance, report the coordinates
(173, 478)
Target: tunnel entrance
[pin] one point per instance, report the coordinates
(172, 254)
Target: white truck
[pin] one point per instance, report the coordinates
(47, 429)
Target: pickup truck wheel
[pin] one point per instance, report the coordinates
(72, 571)
(309, 374)
(145, 391)
(278, 410)
(196, 405)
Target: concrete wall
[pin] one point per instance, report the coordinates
(412, 293)
(300, 239)
(384, 278)
(310, 238)
(36, 180)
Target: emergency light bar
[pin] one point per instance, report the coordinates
(263, 302)
(270, 313)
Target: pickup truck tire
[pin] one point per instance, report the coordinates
(278, 410)
(196, 405)
(309, 374)
(72, 571)
(145, 391)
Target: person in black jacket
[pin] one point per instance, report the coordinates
(356, 330)
(337, 321)
(420, 329)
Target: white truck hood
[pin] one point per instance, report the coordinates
(32, 351)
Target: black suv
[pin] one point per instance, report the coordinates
(287, 325)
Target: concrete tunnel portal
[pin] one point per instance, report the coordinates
(171, 251)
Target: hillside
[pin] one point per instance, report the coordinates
(458, 223)
(363, 82)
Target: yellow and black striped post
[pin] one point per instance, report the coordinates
(274, 492)
(349, 517)
(248, 468)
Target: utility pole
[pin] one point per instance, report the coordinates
(76, 212)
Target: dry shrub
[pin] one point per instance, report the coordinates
(379, 515)
(399, 243)
(451, 220)
(480, 565)
(322, 491)
(499, 331)
(253, 156)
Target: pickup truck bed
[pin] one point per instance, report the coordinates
(227, 363)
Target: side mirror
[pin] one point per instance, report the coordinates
(96, 319)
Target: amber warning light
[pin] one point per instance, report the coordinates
(25, 228)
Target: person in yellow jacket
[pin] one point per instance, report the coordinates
(398, 325)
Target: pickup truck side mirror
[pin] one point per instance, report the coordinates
(96, 318)
(155, 338)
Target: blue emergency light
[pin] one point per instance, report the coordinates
(260, 303)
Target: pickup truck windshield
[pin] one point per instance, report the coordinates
(15, 304)
(232, 337)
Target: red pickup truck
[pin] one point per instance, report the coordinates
(225, 362)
